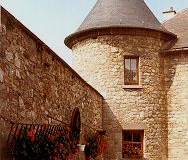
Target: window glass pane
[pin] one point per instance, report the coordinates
(127, 64)
(127, 136)
(136, 137)
(128, 70)
(128, 76)
(131, 70)
(134, 76)
(133, 64)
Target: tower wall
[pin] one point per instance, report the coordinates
(100, 61)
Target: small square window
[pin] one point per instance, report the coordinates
(131, 70)
(133, 143)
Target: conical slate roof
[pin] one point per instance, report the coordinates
(118, 13)
(133, 13)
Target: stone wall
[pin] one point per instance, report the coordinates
(100, 61)
(35, 82)
(176, 78)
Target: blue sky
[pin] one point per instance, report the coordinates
(53, 20)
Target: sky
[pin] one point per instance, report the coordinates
(53, 20)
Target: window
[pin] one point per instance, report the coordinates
(133, 143)
(131, 70)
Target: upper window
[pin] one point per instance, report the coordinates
(133, 143)
(131, 70)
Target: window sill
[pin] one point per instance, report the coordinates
(134, 158)
(132, 86)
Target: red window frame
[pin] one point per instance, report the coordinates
(131, 70)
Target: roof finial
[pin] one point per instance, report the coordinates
(169, 14)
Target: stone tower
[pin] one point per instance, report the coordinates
(116, 50)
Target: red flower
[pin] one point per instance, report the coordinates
(95, 144)
(30, 134)
(69, 157)
(68, 128)
(60, 147)
(17, 133)
(58, 143)
(57, 158)
(49, 136)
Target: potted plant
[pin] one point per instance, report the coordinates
(132, 151)
(96, 144)
(81, 147)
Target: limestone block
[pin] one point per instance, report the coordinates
(114, 50)
(1, 75)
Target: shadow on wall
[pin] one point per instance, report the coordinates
(114, 134)
(4, 145)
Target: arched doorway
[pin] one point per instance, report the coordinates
(76, 123)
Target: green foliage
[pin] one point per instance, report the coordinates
(95, 144)
(42, 145)
(132, 150)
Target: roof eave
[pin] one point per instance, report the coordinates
(97, 31)
(174, 50)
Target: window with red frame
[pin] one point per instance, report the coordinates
(131, 70)
(133, 143)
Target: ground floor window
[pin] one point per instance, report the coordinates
(133, 143)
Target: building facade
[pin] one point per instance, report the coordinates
(140, 68)
(134, 85)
